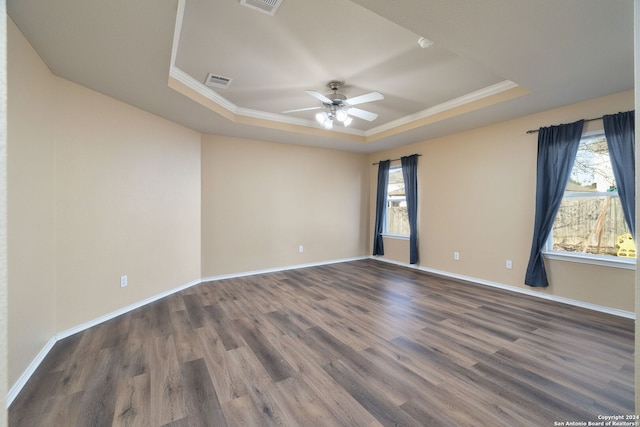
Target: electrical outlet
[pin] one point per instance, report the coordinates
(509, 264)
(456, 256)
(300, 248)
(123, 281)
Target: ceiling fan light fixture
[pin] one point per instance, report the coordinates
(337, 107)
(322, 117)
(341, 115)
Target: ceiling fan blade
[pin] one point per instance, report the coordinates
(365, 115)
(301, 109)
(320, 96)
(373, 96)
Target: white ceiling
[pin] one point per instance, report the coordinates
(533, 54)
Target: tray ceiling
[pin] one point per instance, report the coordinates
(490, 61)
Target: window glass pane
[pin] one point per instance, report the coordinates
(591, 225)
(592, 169)
(397, 219)
(592, 222)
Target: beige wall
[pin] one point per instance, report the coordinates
(97, 189)
(30, 206)
(477, 197)
(127, 203)
(261, 200)
(3, 216)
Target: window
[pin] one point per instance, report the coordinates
(396, 217)
(590, 223)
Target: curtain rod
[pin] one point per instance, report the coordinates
(393, 160)
(586, 120)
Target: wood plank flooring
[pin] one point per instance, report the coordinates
(363, 343)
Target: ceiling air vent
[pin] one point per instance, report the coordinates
(266, 6)
(215, 80)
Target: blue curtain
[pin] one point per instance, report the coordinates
(619, 130)
(381, 202)
(410, 176)
(557, 148)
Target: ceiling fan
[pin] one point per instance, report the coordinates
(338, 107)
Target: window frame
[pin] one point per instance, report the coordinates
(385, 231)
(584, 258)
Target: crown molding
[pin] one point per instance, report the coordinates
(217, 103)
(460, 101)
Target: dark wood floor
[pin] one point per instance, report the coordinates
(363, 343)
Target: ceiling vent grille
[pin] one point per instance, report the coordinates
(215, 80)
(266, 6)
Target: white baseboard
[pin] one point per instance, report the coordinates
(569, 301)
(22, 381)
(113, 314)
(276, 269)
(17, 387)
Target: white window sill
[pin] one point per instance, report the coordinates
(606, 261)
(396, 236)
